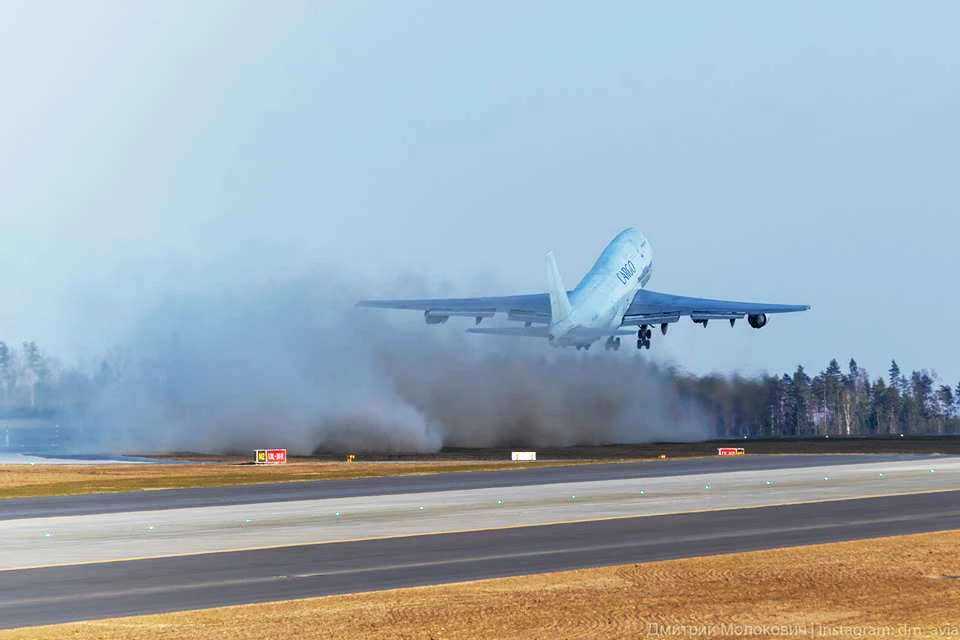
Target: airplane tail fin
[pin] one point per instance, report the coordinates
(559, 302)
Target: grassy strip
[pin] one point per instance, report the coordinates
(21, 481)
(890, 587)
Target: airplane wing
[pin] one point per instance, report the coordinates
(528, 332)
(652, 307)
(534, 308)
(543, 332)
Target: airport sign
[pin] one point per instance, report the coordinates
(270, 456)
(730, 451)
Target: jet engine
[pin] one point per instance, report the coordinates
(435, 317)
(757, 320)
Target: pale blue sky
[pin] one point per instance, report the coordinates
(803, 152)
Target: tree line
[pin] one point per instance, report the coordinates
(833, 402)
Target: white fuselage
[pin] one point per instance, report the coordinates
(600, 300)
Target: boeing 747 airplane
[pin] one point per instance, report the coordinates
(611, 296)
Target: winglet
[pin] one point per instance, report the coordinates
(559, 302)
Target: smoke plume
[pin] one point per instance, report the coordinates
(291, 362)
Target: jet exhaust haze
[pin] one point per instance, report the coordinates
(292, 363)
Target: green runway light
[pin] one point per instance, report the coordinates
(882, 476)
(826, 477)
(642, 492)
(150, 528)
(338, 514)
(707, 487)
(770, 483)
(421, 507)
(499, 502)
(47, 535)
(573, 497)
(933, 470)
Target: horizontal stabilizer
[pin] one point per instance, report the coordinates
(531, 332)
(584, 333)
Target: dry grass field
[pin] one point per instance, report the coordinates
(891, 587)
(20, 481)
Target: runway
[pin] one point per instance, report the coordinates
(44, 596)
(188, 549)
(395, 485)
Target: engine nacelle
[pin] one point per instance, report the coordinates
(757, 320)
(433, 317)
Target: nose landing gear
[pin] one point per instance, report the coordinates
(643, 337)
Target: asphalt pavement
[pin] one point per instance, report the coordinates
(393, 485)
(79, 592)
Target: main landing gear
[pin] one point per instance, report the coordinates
(612, 343)
(643, 337)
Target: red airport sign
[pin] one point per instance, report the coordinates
(270, 456)
(730, 451)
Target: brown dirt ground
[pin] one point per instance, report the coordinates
(888, 587)
(18, 481)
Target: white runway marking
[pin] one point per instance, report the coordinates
(33, 542)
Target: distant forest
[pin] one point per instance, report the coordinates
(833, 402)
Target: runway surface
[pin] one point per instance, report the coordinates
(324, 489)
(117, 554)
(31, 542)
(60, 594)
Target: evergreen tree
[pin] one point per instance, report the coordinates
(801, 402)
(773, 421)
(789, 421)
(878, 421)
(921, 385)
(833, 384)
(856, 399)
(945, 397)
(6, 373)
(896, 380)
(37, 368)
(105, 375)
(890, 404)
